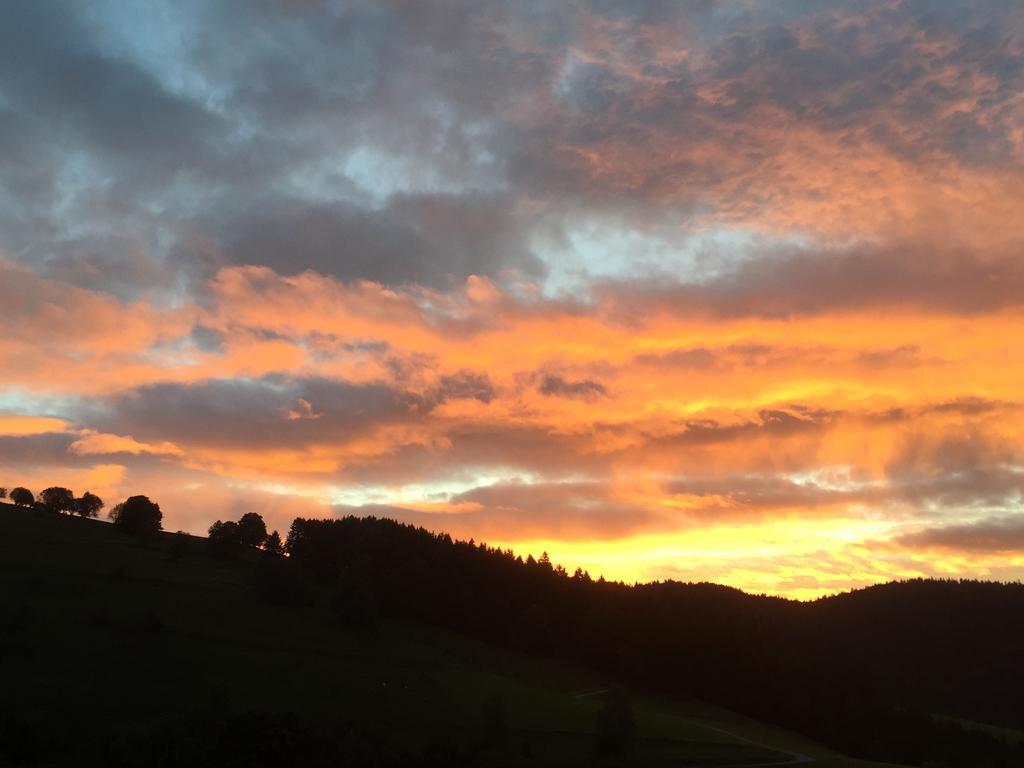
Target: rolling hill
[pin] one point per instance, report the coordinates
(118, 651)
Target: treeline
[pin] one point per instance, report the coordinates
(56, 499)
(140, 515)
(136, 515)
(891, 673)
(230, 537)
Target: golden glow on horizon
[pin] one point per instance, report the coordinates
(683, 412)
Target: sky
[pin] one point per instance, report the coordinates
(708, 290)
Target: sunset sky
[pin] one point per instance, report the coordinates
(727, 291)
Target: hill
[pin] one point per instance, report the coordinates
(914, 672)
(118, 651)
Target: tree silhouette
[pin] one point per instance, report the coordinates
(252, 530)
(23, 497)
(273, 545)
(225, 538)
(58, 499)
(137, 515)
(3, 493)
(89, 505)
(616, 727)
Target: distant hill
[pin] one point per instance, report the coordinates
(891, 672)
(119, 651)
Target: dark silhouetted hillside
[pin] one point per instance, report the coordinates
(886, 673)
(131, 649)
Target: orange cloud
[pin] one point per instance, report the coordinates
(91, 442)
(21, 424)
(673, 419)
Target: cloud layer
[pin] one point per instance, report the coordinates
(699, 290)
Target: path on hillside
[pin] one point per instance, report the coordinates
(795, 758)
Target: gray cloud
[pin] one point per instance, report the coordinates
(49, 449)
(253, 413)
(422, 238)
(406, 143)
(800, 282)
(554, 385)
(466, 384)
(998, 534)
(771, 422)
(25, 455)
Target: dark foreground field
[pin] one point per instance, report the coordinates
(120, 652)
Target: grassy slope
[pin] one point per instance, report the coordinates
(101, 634)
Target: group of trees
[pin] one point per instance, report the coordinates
(56, 499)
(227, 538)
(136, 514)
(141, 516)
